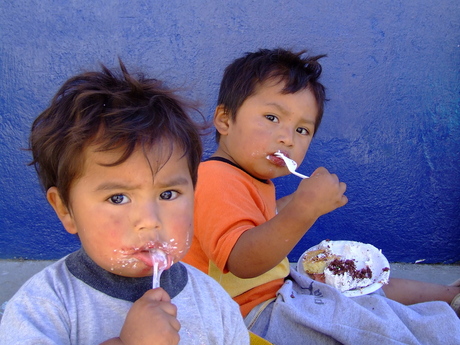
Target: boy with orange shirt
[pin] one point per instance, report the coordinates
(272, 101)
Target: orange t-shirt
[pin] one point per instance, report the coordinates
(228, 201)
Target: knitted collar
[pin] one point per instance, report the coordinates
(130, 289)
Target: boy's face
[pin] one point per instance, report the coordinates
(120, 212)
(267, 122)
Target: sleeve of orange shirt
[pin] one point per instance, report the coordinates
(228, 202)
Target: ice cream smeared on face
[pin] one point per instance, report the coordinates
(139, 259)
(123, 262)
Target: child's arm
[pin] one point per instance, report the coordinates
(151, 320)
(281, 202)
(408, 291)
(261, 248)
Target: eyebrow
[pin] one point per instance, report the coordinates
(114, 185)
(107, 186)
(285, 111)
(176, 181)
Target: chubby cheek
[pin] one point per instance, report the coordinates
(256, 139)
(113, 226)
(180, 235)
(103, 236)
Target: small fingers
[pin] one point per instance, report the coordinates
(319, 171)
(169, 308)
(343, 187)
(336, 187)
(344, 200)
(157, 294)
(175, 324)
(159, 297)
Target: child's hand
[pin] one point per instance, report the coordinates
(323, 192)
(151, 320)
(261, 245)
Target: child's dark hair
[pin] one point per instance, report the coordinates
(113, 112)
(244, 74)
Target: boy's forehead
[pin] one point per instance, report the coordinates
(278, 86)
(276, 81)
(156, 154)
(273, 91)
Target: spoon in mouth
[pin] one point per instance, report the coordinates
(159, 262)
(290, 164)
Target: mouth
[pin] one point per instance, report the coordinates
(144, 255)
(277, 160)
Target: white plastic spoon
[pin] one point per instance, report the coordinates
(159, 262)
(291, 164)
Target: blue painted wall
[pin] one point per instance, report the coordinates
(391, 128)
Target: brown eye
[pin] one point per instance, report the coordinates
(118, 199)
(169, 195)
(271, 118)
(303, 131)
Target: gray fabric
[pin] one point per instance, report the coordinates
(53, 307)
(309, 312)
(81, 266)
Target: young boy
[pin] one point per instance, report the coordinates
(118, 157)
(272, 101)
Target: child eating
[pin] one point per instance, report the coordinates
(118, 158)
(271, 102)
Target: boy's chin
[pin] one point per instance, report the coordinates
(275, 175)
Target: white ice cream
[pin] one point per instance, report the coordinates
(344, 281)
(363, 255)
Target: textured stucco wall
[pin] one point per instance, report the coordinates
(391, 128)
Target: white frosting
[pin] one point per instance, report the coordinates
(344, 281)
(364, 255)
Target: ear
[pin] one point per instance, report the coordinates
(64, 214)
(222, 120)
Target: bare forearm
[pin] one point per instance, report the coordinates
(280, 203)
(261, 248)
(408, 291)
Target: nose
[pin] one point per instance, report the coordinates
(147, 216)
(286, 135)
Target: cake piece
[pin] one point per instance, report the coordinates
(343, 275)
(345, 265)
(315, 262)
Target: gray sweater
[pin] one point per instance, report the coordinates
(74, 301)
